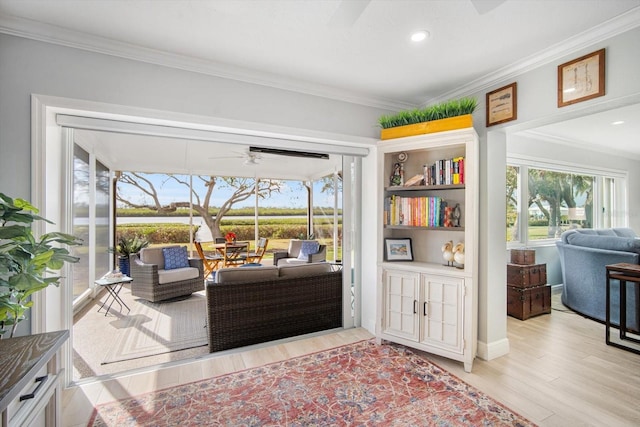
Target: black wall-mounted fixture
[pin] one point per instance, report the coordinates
(292, 153)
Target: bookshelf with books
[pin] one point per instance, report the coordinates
(427, 300)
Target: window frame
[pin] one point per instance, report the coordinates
(618, 217)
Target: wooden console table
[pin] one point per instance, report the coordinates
(30, 369)
(624, 272)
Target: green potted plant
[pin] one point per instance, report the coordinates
(25, 262)
(128, 245)
(447, 115)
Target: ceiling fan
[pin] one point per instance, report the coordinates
(250, 158)
(349, 11)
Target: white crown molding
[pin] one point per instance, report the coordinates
(53, 34)
(597, 34)
(581, 145)
(39, 31)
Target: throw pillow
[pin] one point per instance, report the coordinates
(175, 257)
(308, 248)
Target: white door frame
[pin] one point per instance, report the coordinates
(52, 310)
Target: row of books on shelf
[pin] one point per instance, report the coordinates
(417, 211)
(445, 172)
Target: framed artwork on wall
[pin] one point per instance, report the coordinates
(581, 79)
(502, 104)
(398, 249)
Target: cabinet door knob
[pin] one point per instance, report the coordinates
(424, 308)
(415, 306)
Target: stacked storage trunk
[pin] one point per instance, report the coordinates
(528, 294)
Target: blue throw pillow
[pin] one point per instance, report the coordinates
(175, 257)
(308, 248)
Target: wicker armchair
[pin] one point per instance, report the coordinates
(153, 283)
(291, 256)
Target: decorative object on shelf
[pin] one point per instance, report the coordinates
(448, 115)
(581, 79)
(397, 176)
(403, 157)
(502, 105)
(398, 249)
(457, 213)
(458, 254)
(447, 253)
(448, 216)
(414, 180)
(230, 237)
(26, 262)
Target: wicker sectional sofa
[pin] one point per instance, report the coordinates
(259, 304)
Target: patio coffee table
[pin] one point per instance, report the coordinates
(113, 286)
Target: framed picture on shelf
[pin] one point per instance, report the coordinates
(581, 79)
(502, 104)
(398, 249)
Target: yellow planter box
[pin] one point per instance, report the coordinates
(450, 123)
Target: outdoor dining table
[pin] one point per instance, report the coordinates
(233, 253)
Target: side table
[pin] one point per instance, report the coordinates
(113, 286)
(624, 272)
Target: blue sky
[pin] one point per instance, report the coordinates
(292, 194)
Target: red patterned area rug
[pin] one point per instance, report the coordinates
(354, 385)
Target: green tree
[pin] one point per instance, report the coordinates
(513, 215)
(242, 189)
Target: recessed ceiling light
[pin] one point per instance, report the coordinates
(619, 122)
(419, 36)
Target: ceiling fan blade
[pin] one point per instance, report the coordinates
(347, 13)
(484, 6)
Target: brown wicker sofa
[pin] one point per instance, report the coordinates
(153, 283)
(259, 304)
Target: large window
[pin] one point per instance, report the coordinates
(545, 199)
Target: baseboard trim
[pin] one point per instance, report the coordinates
(493, 350)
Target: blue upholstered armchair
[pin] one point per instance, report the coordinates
(584, 253)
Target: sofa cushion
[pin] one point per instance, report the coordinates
(624, 232)
(255, 274)
(175, 257)
(153, 256)
(612, 243)
(304, 269)
(177, 274)
(292, 261)
(308, 247)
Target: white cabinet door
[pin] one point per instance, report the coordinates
(401, 304)
(441, 312)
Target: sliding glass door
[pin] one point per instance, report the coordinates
(90, 220)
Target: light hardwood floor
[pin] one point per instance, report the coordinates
(559, 372)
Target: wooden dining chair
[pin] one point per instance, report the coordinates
(235, 253)
(261, 248)
(209, 262)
